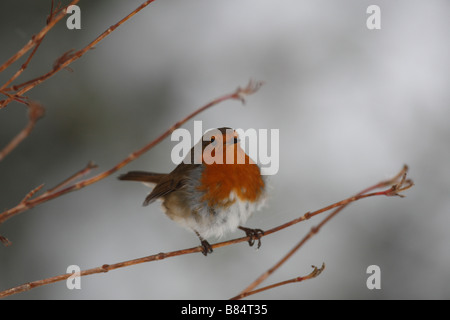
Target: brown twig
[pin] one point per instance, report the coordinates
(16, 92)
(160, 256)
(35, 112)
(397, 186)
(316, 272)
(90, 166)
(69, 57)
(51, 21)
(27, 201)
(238, 94)
(37, 43)
(23, 67)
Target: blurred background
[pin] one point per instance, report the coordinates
(352, 106)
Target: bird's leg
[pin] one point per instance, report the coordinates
(254, 234)
(205, 244)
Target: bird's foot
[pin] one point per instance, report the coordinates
(254, 234)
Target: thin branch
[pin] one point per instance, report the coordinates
(238, 94)
(26, 200)
(35, 112)
(23, 67)
(68, 57)
(37, 42)
(89, 167)
(160, 256)
(36, 38)
(316, 272)
(32, 193)
(397, 186)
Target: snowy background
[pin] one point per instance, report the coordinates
(352, 106)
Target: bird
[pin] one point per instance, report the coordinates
(207, 193)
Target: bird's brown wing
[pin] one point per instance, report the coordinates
(171, 182)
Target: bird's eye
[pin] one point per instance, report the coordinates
(213, 139)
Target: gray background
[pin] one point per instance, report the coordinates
(352, 106)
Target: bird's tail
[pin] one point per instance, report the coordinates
(142, 176)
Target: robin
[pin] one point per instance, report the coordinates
(207, 193)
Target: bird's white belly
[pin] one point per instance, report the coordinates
(222, 221)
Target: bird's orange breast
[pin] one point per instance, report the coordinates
(219, 180)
